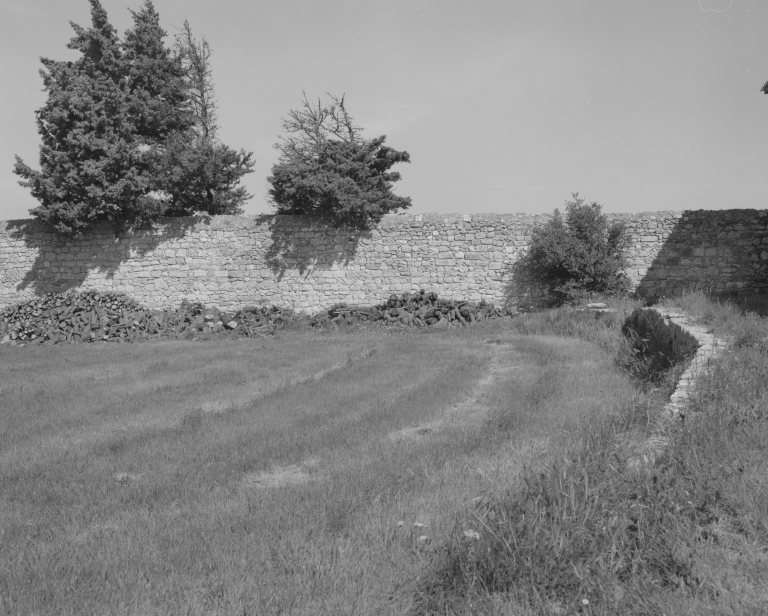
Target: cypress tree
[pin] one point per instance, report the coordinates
(90, 167)
(119, 141)
(154, 80)
(196, 170)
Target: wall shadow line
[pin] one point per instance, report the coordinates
(294, 244)
(62, 264)
(719, 251)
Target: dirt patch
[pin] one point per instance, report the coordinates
(126, 477)
(216, 408)
(279, 476)
(416, 432)
(95, 532)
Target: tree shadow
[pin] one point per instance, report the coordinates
(309, 245)
(296, 246)
(522, 292)
(723, 252)
(64, 263)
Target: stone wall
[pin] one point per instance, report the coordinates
(229, 261)
(723, 251)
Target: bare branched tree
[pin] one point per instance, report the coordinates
(195, 58)
(312, 126)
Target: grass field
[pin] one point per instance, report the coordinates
(382, 471)
(308, 474)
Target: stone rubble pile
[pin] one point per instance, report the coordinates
(421, 309)
(75, 317)
(92, 316)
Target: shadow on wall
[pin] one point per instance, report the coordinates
(723, 251)
(308, 245)
(292, 247)
(64, 263)
(521, 292)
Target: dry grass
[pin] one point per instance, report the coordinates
(311, 474)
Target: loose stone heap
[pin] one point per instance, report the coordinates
(92, 316)
(74, 317)
(418, 309)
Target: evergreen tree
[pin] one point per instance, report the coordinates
(154, 81)
(196, 170)
(202, 175)
(90, 167)
(119, 140)
(328, 170)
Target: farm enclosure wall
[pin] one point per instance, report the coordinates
(291, 261)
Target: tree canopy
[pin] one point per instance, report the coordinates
(118, 134)
(327, 169)
(197, 171)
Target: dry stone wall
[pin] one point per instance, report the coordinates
(723, 251)
(291, 261)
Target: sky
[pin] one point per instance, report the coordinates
(505, 106)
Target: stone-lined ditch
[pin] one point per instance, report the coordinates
(666, 338)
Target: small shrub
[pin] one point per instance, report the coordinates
(578, 256)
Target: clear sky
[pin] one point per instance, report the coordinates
(504, 105)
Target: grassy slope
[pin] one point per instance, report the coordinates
(689, 536)
(250, 478)
(719, 462)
